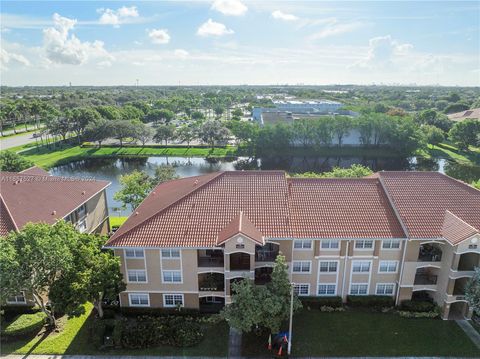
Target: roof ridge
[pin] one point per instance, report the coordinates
(393, 206)
(195, 189)
(8, 212)
(462, 220)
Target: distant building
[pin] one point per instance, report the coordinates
(319, 107)
(473, 114)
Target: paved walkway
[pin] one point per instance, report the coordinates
(234, 343)
(470, 331)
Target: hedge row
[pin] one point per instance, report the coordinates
(318, 302)
(373, 301)
(24, 324)
(161, 312)
(417, 306)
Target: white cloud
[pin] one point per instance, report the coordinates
(61, 47)
(212, 28)
(229, 7)
(159, 36)
(181, 54)
(119, 16)
(279, 15)
(383, 51)
(335, 28)
(8, 58)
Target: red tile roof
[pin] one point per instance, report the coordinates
(196, 215)
(35, 171)
(240, 224)
(199, 211)
(341, 208)
(40, 198)
(455, 230)
(421, 199)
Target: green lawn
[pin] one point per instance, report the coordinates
(369, 334)
(451, 152)
(117, 221)
(74, 339)
(49, 157)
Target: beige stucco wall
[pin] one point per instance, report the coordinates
(97, 212)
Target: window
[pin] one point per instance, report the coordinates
(364, 244)
(328, 267)
(302, 289)
(82, 211)
(391, 244)
(213, 300)
(172, 276)
(134, 253)
(170, 253)
(82, 225)
(387, 267)
(385, 289)
(139, 299)
(173, 300)
(359, 289)
(137, 275)
(327, 289)
(360, 267)
(330, 244)
(302, 244)
(17, 299)
(301, 266)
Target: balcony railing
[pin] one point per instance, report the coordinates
(266, 255)
(425, 279)
(210, 261)
(208, 286)
(430, 257)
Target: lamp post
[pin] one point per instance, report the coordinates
(289, 350)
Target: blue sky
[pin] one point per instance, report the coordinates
(239, 42)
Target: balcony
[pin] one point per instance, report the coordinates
(468, 262)
(425, 279)
(429, 253)
(210, 258)
(267, 253)
(211, 282)
(239, 261)
(263, 275)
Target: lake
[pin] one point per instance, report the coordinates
(110, 169)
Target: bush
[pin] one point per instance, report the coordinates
(147, 331)
(406, 314)
(370, 301)
(25, 324)
(319, 302)
(11, 311)
(160, 312)
(417, 306)
(117, 333)
(108, 314)
(98, 333)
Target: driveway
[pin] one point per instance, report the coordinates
(13, 141)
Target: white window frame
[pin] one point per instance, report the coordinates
(358, 284)
(170, 251)
(327, 285)
(298, 289)
(385, 286)
(387, 244)
(388, 264)
(136, 272)
(82, 225)
(172, 272)
(329, 264)
(302, 243)
(136, 253)
(16, 301)
(301, 267)
(130, 295)
(174, 299)
(329, 247)
(362, 246)
(362, 264)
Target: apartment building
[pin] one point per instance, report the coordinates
(410, 235)
(33, 196)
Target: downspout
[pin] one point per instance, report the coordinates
(345, 268)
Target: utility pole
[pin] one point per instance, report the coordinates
(289, 350)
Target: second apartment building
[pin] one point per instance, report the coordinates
(403, 234)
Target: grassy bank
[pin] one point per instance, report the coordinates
(48, 157)
(453, 153)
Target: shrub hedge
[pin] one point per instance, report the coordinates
(417, 306)
(24, 324)
(160, 312)
(318, 302)
(370, 301)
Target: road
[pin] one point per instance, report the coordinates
(14, 141)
